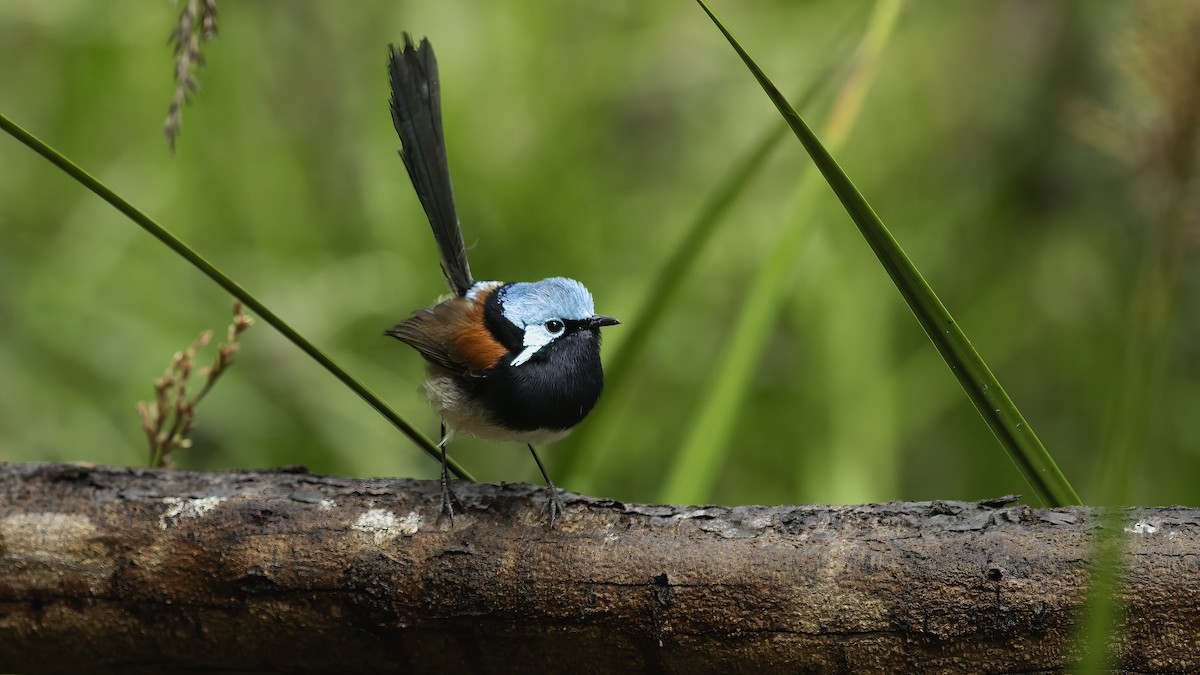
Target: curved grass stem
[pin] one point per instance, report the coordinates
(232, 287)
(977, 380)
(694, 469)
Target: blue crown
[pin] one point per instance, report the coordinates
(527, 303)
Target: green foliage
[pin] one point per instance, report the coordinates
(581, 138)
(695, 468)
(981, 386)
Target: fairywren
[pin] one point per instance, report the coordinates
(505, 361)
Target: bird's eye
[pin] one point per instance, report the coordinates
(555, 326)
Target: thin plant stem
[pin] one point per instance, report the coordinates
(232, 287)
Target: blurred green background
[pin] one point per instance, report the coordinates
(1034, 167)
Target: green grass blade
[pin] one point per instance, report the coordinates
(590, 462)
(695, 468)
(1149, 337)
(981, 386)
(232, 287)
(1151, 329)
(671, 276)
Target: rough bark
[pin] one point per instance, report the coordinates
(134, 570)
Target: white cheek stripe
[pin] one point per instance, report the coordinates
(525, 355)
(536, 337)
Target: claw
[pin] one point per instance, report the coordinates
(447, 507)
(554, 503)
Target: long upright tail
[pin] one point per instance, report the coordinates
(417, 113)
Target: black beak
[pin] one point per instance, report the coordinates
(601, 320)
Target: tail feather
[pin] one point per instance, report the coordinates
(417, 114)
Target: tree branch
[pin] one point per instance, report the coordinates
(133, 570)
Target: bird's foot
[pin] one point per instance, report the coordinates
(554, 503)
(448, 500)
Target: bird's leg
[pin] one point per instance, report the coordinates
(447, 496)
(555, 502)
